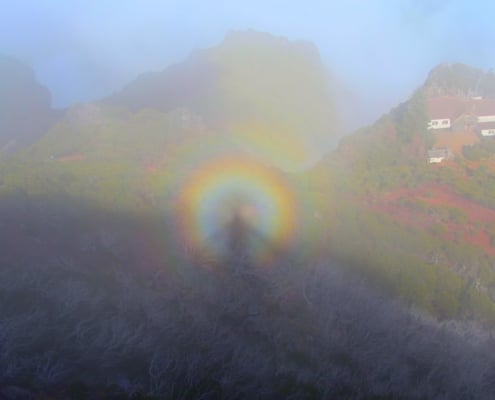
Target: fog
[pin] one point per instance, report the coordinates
(377, 52)
(247, 200)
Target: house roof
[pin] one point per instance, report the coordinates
(453, 107)
(445, 107)
(486, 125)
(436, 153)
(483, 107)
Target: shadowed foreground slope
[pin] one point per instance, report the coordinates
(83, 321)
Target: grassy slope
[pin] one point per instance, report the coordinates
(110, 318)
(420, 231)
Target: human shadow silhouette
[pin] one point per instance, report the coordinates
(238, 243)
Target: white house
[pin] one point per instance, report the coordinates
(439, 123)
(488, 132)
(436, 156)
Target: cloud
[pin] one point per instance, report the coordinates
(86, 49)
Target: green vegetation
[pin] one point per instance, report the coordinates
(420, 267)
(411, 119)
(95, 264)
(427, 264)
(133, 162)
(370, 302)
(481, 150)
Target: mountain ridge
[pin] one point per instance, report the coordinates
(100, 148)
(433, 222)
(26, 112)
(138, 261)
(255, 87)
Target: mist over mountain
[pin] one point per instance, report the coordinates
(164, 242)
(256, 88)
(25, 112)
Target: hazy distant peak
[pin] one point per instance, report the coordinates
(262, 89)
(252, 36)
(460, 79)
(25, 112)
(257, 39)
(14, 68)
(17, 77)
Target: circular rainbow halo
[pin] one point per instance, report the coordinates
(236, 196)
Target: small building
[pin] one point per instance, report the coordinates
(436, 156)
(486, 128)
(439, 123)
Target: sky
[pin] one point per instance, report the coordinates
(379, 51)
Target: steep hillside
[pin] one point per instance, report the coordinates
(255, 96)
(148, 251)
(423, 230)
(25, 112)
(97, 151)
(258, 89)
